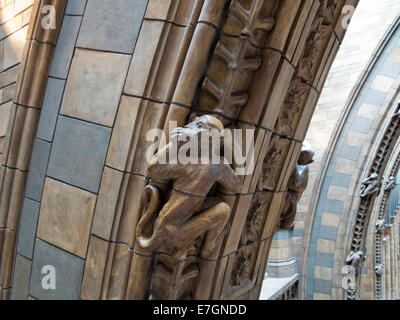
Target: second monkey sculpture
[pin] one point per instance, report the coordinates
(296, 186)
(187, 214)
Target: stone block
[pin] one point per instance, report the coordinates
(27, 232)
(14, 47)
(328, 233)
(382, 83)
(37, 170)
(368, 111)
(66, 217)
(390, 69)
(341, 179)
(323, 286)
(5, 110)
(68, 270)
(50, 108)
(22, 274)
(65, 47)
(337, 193)
(112, 25)
(78, 153)
(94, 86)
(324, 259)
(323, 273)
(360, 124)
(325, 246)
(330, 219)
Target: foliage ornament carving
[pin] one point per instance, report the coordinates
(241, 270)
(237, 56)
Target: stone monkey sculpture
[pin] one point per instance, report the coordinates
(187, 215)
(370, 185)
(296, 185)
(355, 259)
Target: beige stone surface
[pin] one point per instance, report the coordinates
(323, 273)
(153, 67)
(337, 193)
(107, 202)
(94, 86)
(330, 219)
(322, 296)
(123, 133)
(66, 216)
(356, 139)
(13, 47)
(169, 11)
(382, 83)
(94, 270)
(368, 111)
(143, 57)
(325, 246)
(4, 114)
(345, 166)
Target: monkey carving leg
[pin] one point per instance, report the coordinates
(213, 221)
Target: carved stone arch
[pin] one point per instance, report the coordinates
(350, 207)
(364, 212)
(380, 281)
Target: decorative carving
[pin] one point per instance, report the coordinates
(296, 186)
(251, 234)
(297, 94)
(240, 56)
(355, 259)
(300, 86)
(272, 162)
(380, 226)
(379, 270)
(370, 185)
(389, 183)
(188, 215)
(322, 27)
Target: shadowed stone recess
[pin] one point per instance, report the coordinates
(29, 219)
(69, 271)
(112, 25)
(78, 153)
